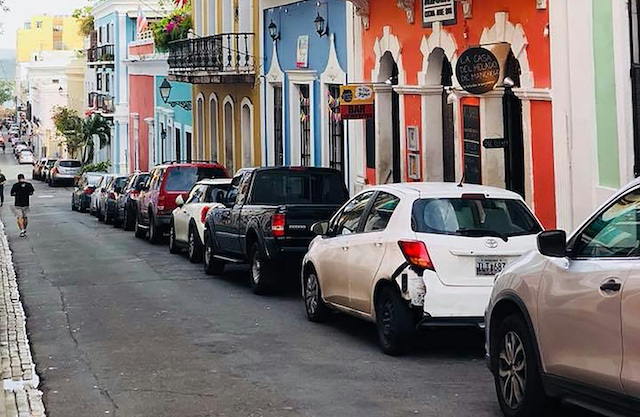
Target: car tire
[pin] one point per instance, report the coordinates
(317, 310)
(73, 205)
(212, 266)
(107, 219)
(195, 246)
(139, 232)
(173, 244)
(259, 271)
(517, 370)
(395, 322)
(128, 222)
(154, 235)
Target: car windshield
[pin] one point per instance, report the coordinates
(217, 192)
(70, 164)
(120, 182)
(94, 180)
(298, 187)
(141, 180)
(475, 217)
(184, 178)
(51, 162)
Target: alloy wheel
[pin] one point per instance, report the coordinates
(256, 269)
(192, 245)
(208, 254)
(388, 316)
(512, 370)
(311, 294)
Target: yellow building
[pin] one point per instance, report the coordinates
(226, 94)
(47, 33)
(76, 97)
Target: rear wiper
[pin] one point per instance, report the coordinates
(482, 233)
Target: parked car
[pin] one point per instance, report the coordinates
(81, 195)
(563, 321)
(37, 172)
(187, 220)
(107, 210)
(127, 202)
(415, 254)
(267, 218)
(94, 207)
(158, 198)
(46, 170)
(19, 147)
(64, 171)
(25, 157)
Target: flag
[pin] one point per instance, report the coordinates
(143, 23)
(181, 3)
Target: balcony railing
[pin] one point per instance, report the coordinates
(101, 102)
(223, 58)
(103, 53)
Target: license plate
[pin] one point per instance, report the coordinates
(489, 266)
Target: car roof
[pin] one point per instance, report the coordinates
(191, 164)
(215, 181)
(94, 174)
(446, 190)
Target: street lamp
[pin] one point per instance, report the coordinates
(165, 93)
(273, 31)
(321, 27)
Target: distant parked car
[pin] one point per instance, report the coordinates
(127, 202)
(266, 220)
(563, 322)
(17, 148)
(64, 171)
(36, 172)
(45, 171)
(415, 254)
(81, 195)
(187, 220)
(109, 198)
(25, 157)
(158, 198)
(94, 207)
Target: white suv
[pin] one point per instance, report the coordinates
(412, 254)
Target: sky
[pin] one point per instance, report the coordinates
(21, 10)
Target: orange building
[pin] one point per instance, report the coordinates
(428, 127)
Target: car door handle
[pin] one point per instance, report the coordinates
(345, 248)
(378, 244)
(611, 286)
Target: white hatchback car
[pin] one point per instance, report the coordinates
(96, 197)
(25, 157)
(415, 254)
(187, 221)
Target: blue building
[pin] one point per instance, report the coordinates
(174, 123)
(306, 62)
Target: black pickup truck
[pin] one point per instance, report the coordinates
(266, 220)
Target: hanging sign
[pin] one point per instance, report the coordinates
(438, 11)
(478, 70)
(357, 101)
(302, 53)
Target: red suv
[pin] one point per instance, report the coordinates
(158, 196)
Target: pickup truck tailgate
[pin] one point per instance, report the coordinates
(300, 218)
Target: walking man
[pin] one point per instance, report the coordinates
(22, 191)
(3, 179)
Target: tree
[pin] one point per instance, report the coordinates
(6, 90)
(79, 133)
(94, 126)
(68, 124)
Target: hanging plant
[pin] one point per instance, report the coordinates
(173, 27)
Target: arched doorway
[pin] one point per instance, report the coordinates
(213, 129)
(228, 135)
(389, 102)
(247, 133)
(513, 130)
(200, 126)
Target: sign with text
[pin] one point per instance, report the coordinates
(478, 70)
(495, 143)
(471, 148)
(357, 101)
(438, 11)
(302, 52)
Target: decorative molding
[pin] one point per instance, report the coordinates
(333, 73)
(362, 10)
(418, 90)
(275, 74)
(302, 76)
(388, 43)
(541, 4)
(439, 38)
(409, 7)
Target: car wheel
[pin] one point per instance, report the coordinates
(73, 205)
(517, 377)
(154, 236)
(317, 310)
(128, 221)
(212, 266)
(195, 246)
(259, 271)
(139, 232)
(107, 219)
(395, 322)
(173, 245)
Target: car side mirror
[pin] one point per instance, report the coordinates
(180, 201)
(553, 243)
(320, 228)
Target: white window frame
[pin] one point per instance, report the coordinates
(150, 121)
(275, 77)
(246, 102)
(296, 78)
(332, 75)
(136, 140)
(200, 118)
(214, 134)
(228, 99)
(177, 128)
(189, 129)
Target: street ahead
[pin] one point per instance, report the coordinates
(120, 327)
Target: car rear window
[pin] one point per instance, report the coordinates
(121, 182)
(293, 187)
(94, 179)
(184, 178)
(475, 217)
(70, 164)
(51, 162)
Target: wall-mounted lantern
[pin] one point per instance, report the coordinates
(321, 26)
(273, 31)
(165, 93)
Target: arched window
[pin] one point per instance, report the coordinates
(247, 132)
(229, 134)
(213, 127)
(200, 126)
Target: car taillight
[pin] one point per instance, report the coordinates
(203, 213)
(88, 190)
(135, 192)
(277, 225)
(415, 252)
(112, 195)
(54, 170)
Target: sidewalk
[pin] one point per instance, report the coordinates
(20, 396)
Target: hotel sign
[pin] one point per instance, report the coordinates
(438, 11)
(357, 101)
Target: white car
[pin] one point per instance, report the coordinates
(96, 197)
(187, 221)
(25, 157)
(415, 254)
